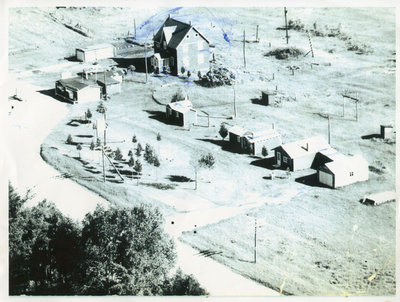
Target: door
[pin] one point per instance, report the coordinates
(278, 158)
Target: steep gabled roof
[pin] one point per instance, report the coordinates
(306, 146)
(181, 106)
(174, 31)
(344, 164)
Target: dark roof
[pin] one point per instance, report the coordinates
(180, 31)
(74, 83)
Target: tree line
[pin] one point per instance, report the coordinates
(115, 251)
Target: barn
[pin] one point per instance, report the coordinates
(299, 155)
(95, 52)
(178, 44)
(75, 90)
(343, 171)
(181, 113)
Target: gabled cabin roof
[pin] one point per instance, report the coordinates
(95, 47)
(174, 31)
(306, 146)
(258, 136)
(344, 164)
(74, 83)
(237, 130)
(181, 106)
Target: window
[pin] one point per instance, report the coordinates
(351, 173)
(200, 45)
(285, 159)
(200, 58)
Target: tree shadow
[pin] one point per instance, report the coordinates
(179, 178)
(310, 180)
(139, 63)
(370, 136)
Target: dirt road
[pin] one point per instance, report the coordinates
(29, 122)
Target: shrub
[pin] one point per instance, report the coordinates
(207, 161)
(188, 73)
(92, 145)
(264, 151)
(98, 142)
(223, 131)
(118, 154)
(134, 139)
(130, 153)
(69, 140)
(158, 136)
(88, 114)
(138, 166)
(183, 70)
(217, 76)
(139, 150)
(131, 162)
(178, 96)
(285, 53)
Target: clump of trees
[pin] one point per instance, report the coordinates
(216, 76)
(115, 251)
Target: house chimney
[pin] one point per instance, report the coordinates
(190, 22)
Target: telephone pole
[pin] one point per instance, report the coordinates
(234, 100)
(244, 48)
(255, 239)
(329, 129)
(287, 36)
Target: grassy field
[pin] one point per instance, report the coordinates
(313, 240)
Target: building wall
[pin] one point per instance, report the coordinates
(193, 53)
(343, 177)
(174, 117)
(88, 94)
(95, 54)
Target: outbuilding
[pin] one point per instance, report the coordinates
(109, 85)
(181, 113)
(76, 90)
(236, 137)
(267, 97)
(299, 155)
(95, 52)
(343, 170)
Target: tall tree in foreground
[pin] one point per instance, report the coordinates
(127, 252)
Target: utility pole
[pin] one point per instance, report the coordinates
(356, 111)
(343, 108)
(145, 58)
(287, 36)
(329, 128)
(309, 40)
(255, 239)
(102, 156)
(257, 33)
(234, 100)
(134, 24)
(244, 48)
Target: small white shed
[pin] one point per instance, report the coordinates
(95, 52)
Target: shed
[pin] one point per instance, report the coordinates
(267, 97)
(379, 198)
(109, 85)
(343, 171)
(181, 113)
(386, 131)
(299, 154)
(76, 90)
(95, 52)
(255, 141)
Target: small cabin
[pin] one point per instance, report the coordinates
(267, 97)
(181, 113)
(95, 52)
(76, 90)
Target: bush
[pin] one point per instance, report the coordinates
(92, 146)
(207, 161)
(139, 150)
(98, 142)
(223, 131)
(264, 151)
(134, 139)
(118, 154)
(178, 96)
(69, 140)
(285, 53)
(217, 76)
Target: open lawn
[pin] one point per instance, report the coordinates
(311, 240)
